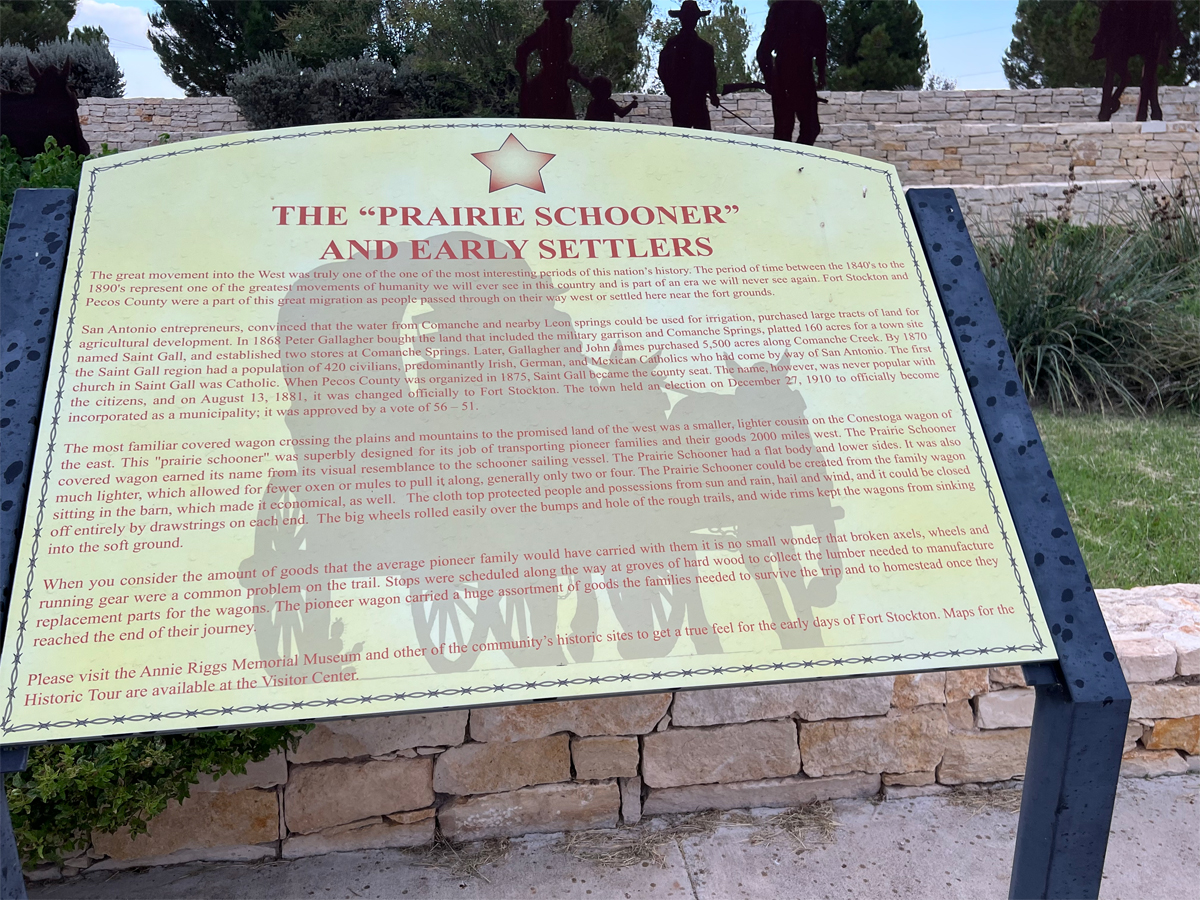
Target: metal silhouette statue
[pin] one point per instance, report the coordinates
(793, 39)
(688, 70)
(548, 94)
(52, 110)
(1128, 28)
(603, 108)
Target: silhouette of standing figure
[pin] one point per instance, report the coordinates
(688, 70)
(603, 107)
(795, 35)
(548, 94)
(1128, 28)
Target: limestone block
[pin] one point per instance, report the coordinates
(1011, 708)
(984, 756)
(920, 689)
(380, 735)
(368, 837)
(320, 796)
(1145, 660)
(1175, 734)
(631, 800)
(1133, 734)
(1141, 763)
(227, 853)
(1006, 676)
(546, 808)
(606, 756)
(772, 792)
(905, 743)
(1164, 701)
(268, 773)
(1187, 650)
(960, 715)
(908, 779)
(726, 753)
(203, 821)
(503, 766)
(963, 684)
(605, 715)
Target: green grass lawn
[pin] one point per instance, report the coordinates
(1132, 490)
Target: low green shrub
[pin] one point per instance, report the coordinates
(353, 90)
(70, 790)
(1106, 315)
(94, 70)
(54, 167)
(275, 91)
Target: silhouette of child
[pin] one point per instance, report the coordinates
(603, 107)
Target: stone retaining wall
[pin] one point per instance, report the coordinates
(563, 766)
(130, 123)
(127, 123)
(1049, 105)
(1104, 168)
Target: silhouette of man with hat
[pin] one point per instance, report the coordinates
(793, 39)
(688, 70)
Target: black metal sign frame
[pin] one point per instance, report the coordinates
(1082, 700)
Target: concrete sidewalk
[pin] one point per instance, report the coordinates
(927, 847)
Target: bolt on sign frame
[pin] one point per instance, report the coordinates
(1082, 700)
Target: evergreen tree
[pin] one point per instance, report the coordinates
(876, 44)
(1052, 46)
(28, 23)
(202, 42)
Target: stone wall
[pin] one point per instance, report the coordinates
(1050, 105)
(1104, 168)
(130, 123)
(564, 766)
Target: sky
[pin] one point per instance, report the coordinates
(967, 38)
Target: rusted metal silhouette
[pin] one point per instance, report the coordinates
(1128, 28)
(52, 110)
(548, 94)
(793, 39)
(688, 70)
(603, 108)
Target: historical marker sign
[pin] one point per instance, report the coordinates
(390, 417)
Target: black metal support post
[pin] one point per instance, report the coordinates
(1082, 701)
(31, 278)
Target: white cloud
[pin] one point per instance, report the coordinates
(126, 28)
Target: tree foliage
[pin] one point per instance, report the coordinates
(472, 42)
(876, 44)
(32, 22)
(1052, 46)
(94, 70)
(202, 42)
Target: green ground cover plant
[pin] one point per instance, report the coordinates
(1132, 489)
(69, 790)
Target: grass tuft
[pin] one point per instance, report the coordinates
(1132, 489)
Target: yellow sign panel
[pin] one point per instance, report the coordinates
(392, 417)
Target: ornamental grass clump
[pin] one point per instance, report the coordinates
(1104, 316)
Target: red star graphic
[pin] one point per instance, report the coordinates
(513, 164)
